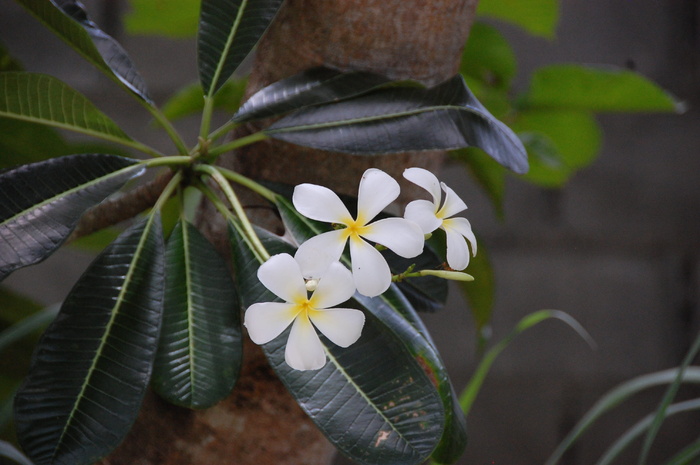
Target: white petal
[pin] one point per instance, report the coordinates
(402, 236)
(369, 269)
(422, 212)
(265, 321)
(377, 190)
(304, 350)
(315, 255)
(335, 287)
(452, 205)
(281, 274)
(457, 250)
(320, 203)
(426, 180)
(462, 226)
(343, 326)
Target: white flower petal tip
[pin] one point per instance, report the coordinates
(425, 179)
(265, 321)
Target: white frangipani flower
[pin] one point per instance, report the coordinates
(432, 215)
(370, 271)
(267, 320)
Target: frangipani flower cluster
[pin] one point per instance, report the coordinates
(316, 268)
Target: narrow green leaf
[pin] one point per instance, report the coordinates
(488, 57)
(68, 20)
(638, 429)
(687, 456)
(172, 18)
(597, 89)
(8, 452)
(228, 31)
(373, 400)
(27, 326)
(468, 395)
(42, 202)
(200, 352)
(615, 397)
(92, 366)
(311, 87)
(397, 119)
(39, 98)
(538, 17)
(22, 142)
(669, 395)
(190, 99)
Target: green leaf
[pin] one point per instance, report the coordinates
(8, 452)
(488, 57)
(640, 427)
(311, 87)
(373, 400)
(68, 20)
(597, 89)
(468, 395)
(686, 456)
(92, 366)
(171, 18)
(8, 62)
(481, 292)
(39, 98)
(27, 326)
(538, 17)
(22, 142)
(394, 119)
(228, 31)
(669, 395)
(489, 175)
(615, 397)
(190, 99)
(201, 349)
(42, 202)
(408, 328)
(559, 142)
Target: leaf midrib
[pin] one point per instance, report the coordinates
(108, 328)
(227, 48)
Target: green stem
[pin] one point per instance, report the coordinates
(226, 127)
(168, 126)
(167, 161)
(206, 117)
(249, 183)
(243, 141)
(237, 208)
(168, 191)
(216, 201)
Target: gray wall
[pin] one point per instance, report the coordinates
(618, 248)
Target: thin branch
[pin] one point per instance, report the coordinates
(122, 208)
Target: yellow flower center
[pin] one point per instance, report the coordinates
(355, 228)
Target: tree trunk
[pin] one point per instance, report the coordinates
(260, 423)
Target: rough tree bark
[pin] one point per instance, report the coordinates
(260, 423)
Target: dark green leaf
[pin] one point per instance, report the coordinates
(395, 119)
(538, 17)
(190, 100)
(68, 20)
(92, 366)
(490, 175)
(374, 400)
(598, 89)
(27, 326)
(201, 348)
(42, 202)
(228, 31)
(311, 87)
(8, 62)
(39, 98)
(488, 57)
(8, 452)
(171, 18)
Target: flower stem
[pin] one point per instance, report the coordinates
(231, 196)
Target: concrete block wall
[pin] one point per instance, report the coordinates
(618, 248)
